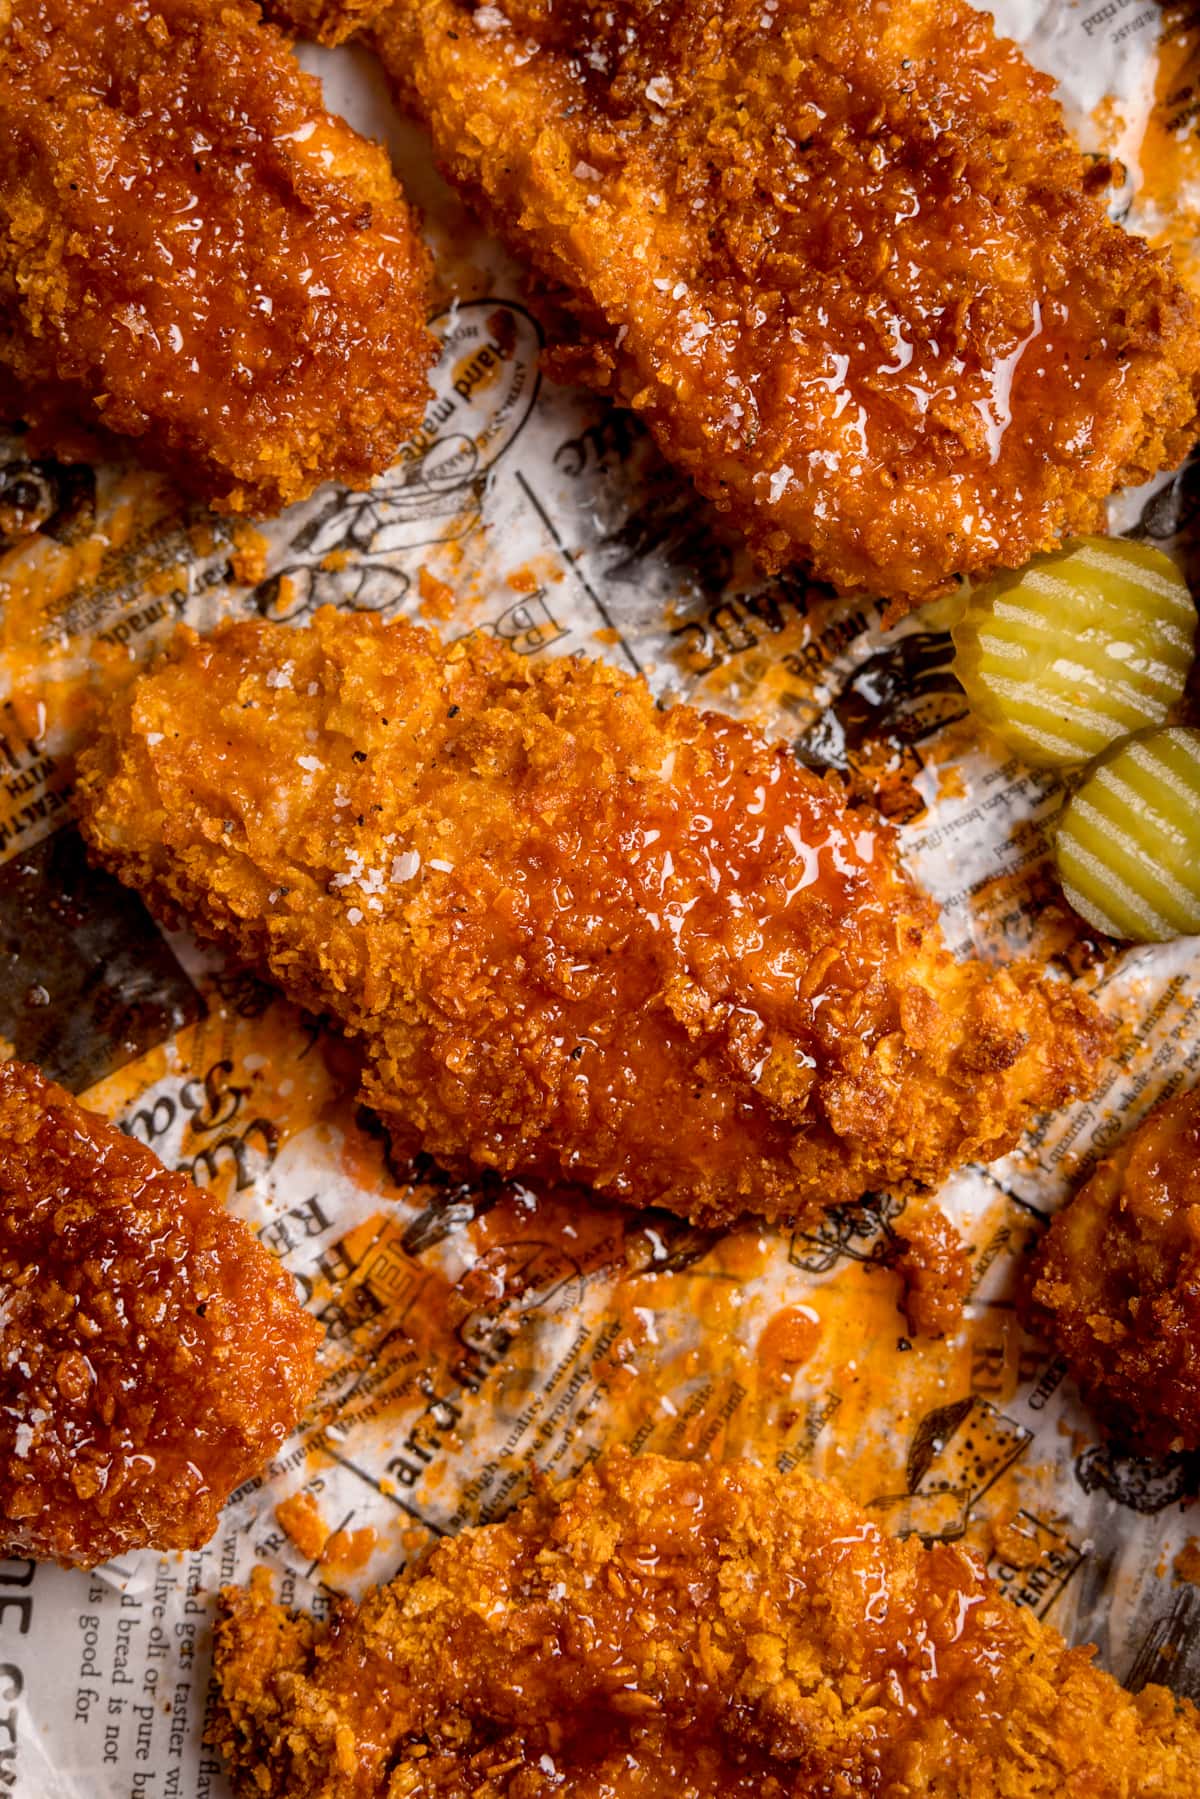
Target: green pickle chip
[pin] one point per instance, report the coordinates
(1077, 650)
(1128, 842)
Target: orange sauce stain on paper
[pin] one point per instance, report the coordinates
(522, 580)
(788, 1340)
(1164, 158)
(1186, 1566)
(723, 1356)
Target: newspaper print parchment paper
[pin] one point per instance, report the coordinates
(475, 1332)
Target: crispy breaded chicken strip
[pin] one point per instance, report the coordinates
(1116, 1283)
(580, 938)
(195, 254)
(153, 1355)
(671, 1627)
(843, 259)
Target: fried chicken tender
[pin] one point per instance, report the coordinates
(196, 255)
(579, 938)
(673, 1627)
(1116, 1283)
(845, 262)
(152, 1354)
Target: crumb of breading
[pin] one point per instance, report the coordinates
(300, 1516)
(935, 1271)
(250, 553)
(437, 599)
(1014, 1545)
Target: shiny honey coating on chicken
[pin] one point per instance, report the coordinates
(844, 261)
(152, 1354)
(580, 938)
(196, 255)
(685, 1628)
(1116, 1283)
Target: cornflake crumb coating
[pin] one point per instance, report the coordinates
(196, 255)
(580, 938)
(716, 1632)
(1116, 1283)
(153, 1355)
(845, 261)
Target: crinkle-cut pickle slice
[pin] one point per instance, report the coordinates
(1077, 650)
(1128, 843)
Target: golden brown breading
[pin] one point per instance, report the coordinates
(152, 1354)
(935, 1272)
(581, 938)
(195, 254)
(683, 1628)
(327, 21)
(844, 261)
(1116, 1283)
